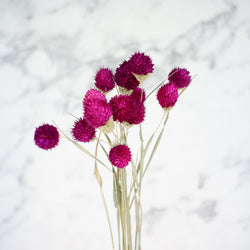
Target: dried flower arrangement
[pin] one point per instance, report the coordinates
(109, 122)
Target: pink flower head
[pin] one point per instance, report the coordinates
(97, 112)
(127, 109)
(140, 64)
(120, 107)
(93, 94)
(138, 95)
(82, 131)
(167, 95)
(124, 77)
(180, 77)
(136, 113)
(46, 136)
(120, 156)
(104, 80)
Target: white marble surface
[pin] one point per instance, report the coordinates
(196, 193)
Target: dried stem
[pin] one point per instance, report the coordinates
(156, 144)
(99, 179)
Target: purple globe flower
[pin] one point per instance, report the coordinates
(167, 95)
(93, 94)
(83, 131)
(46, 136)
(120, 108)
(124, 78)
(140, 64)
(127, 109)
(136, 112)
(104, 80)
(179, 77)
(97, 112)
(120, 156)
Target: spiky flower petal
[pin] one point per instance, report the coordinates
(180, 77)
(167, 95)
(124, 77)
(120, 156)
(46, 136)
(140, 64)
(104, 80)
(83, 131)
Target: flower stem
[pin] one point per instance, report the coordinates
(155, 89)
(156, 144)
(99, 179)
(118, 229)
(123, 208)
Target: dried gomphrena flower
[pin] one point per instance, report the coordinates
(119, 104)
(46, 136)
(136, 112)
(140, 64)
(97, 112)
(167, 95)
(120, 156)
(127, 109)
(93, 94)
(104, 80)
(179, 77)
(83, 131)
(124, 78)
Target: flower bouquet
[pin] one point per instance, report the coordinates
(111, 110)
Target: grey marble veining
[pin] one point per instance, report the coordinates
(195, 195)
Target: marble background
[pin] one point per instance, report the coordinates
(196, 193)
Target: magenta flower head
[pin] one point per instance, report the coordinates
(167, 95)
(120, 107)
(83, 131)
(138, 95)
(93, 94)
(104, 80)
(97, 112)
(180, 77)
(136, 114)
(120, 156)
(124, 78)
(46, 136)
(127, 109)
(140, 64)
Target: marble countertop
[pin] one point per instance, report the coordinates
(196, 193)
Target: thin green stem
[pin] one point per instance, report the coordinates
(156, 144)
(153, 135)
(165, 115)
(150, 93)
(160, 84)
(118, 228)
(99, 179)
(123, 208)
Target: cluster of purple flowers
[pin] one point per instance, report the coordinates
(127, 107)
